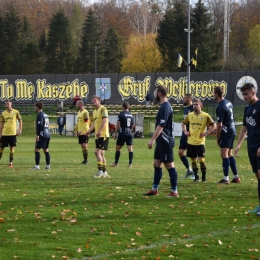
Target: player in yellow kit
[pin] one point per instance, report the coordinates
(8, 131)
(80, 129)
(101, 127)
(198, 122)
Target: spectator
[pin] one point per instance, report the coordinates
(148, 99)
(61, 123)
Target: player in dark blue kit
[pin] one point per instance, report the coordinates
(42, 137)
(187, 102)
(226, 132)
(163, 153)
(251, 127)
(124, 127)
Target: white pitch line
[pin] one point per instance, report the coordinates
(212, 234)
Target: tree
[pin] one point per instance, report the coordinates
(204, 37)
(91, 49)
(30, 55)
(171, 37)
(142, 54)
(12, 42)
(58, 50)
(2, 54)
(113, 52)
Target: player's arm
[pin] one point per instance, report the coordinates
(219, 128)
(211, 128)
(183, 126)
(1, 128)
(157, 132)
(116, 129)
(20, 126)
(104, 123)
(91, 129)
(241, 138)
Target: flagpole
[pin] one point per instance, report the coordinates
(188, 51)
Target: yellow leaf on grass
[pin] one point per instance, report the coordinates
(2, 220)
(138, 233)
(220, 242)
(79, 250)
(189, 245)
(253, 250)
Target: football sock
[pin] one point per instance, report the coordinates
(85, 153)
(37, 158)
(117, 155)
(233, 165)
(99, 165)
(185, 161)
(225, 165)
(195, 169)
(131, 155)
(173, 178)
(11, 156)
(203, 169)
(104, 167)
(157, 177)
(47, 158)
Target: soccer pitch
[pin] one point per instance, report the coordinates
(65, 213)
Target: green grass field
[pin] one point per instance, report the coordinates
(65, 213)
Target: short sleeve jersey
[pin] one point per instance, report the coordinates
(9, 120)
(98, 115)
(225, 116)
(198, 124)
(82, 122)
(126, 121)
(164, 118)
(42, 125)
(252, 121)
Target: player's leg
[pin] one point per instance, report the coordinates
(183, 157)
(47, 154)
(83, 141)
(157, 173)
(129, 143)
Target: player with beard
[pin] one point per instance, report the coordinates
(226, 132)
(81, 128)
(187, 102)
(163, 135)
(251, 127)
(198, 121)
(42, 137)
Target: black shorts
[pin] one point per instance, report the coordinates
(226, 141)
(42, 143)
(8, 140)
(194, 151)
(83, 139)
(183, 142)
(102, 143)
(254, 159)
(124, 138)
(164, 154)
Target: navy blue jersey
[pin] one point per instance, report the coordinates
(187, 110)
(42, 125)
(225, 116)
(126, 121)
(252, 121)
(164, 118)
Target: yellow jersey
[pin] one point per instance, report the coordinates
(197, 125)
(9, 120)
(82, 122)
(98, 115)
